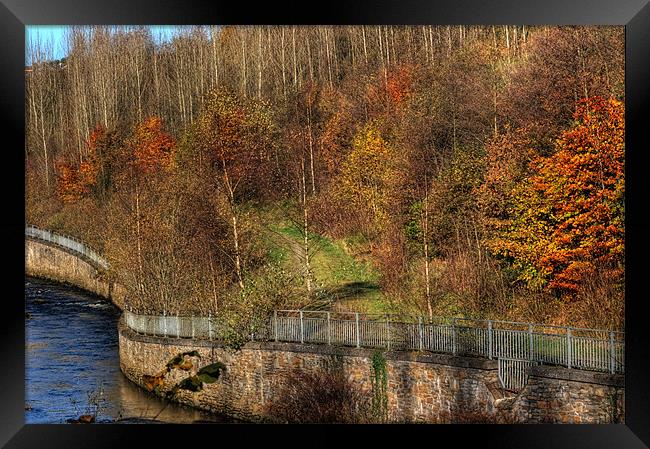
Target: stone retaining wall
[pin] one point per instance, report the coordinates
(561, 395)
(421, 387)
(48, 261)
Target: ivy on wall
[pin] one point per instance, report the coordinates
(379, 386)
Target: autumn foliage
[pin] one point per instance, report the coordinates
(75, 183)
(149, 149)
(69, 187)
(461, 170)
(569, 214)
(236, 136)
(399, 84)
(367, 172)
(152, 147)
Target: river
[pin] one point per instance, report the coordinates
(72, 363)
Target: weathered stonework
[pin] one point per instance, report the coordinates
(561, 395)
(420, 388)
(51, 262)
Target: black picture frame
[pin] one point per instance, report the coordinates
(634, 14)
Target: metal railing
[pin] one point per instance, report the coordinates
(513, 373)
(580, 348)
(69, 243)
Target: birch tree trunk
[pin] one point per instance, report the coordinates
(425, 244)
(235, 228)
(308, 274)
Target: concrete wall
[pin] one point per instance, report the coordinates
(421, 387)
(51, 262)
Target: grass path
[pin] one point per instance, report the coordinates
(343, 281)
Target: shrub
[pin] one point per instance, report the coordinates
(324, 396)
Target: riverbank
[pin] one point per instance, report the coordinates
(72, 365)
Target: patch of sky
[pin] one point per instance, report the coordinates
(51, 41)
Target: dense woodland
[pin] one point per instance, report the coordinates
(438, 170)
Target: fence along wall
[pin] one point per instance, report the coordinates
(426, 388)
(585, 349)
(64, 259)
(422, 386)
(71, 244)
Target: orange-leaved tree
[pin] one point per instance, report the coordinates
(75, 183)
(568, 217)
(152, 147)
(399, 83)
(69, 187)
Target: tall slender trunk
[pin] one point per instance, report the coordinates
(425, 242)
(496, 126)
(305, 229)
(426, 43)
(352, 47)
(235, 228)
(365, 47)
(44, 141)
(215, 62)
(139, 84)
(139, 241)
(311, 147)
(243, 57)
(508, 41)
(214, 285)
(387, 45)
(581, 58)
(311, 69)
(284, 76)
(295, 64)
(259, 64)
(156, 83)
(335, 53)
(384, 67)
(327, 52)
(235, 235)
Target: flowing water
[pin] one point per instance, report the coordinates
(72, 363)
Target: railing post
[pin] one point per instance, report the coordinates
(356, 317)
(210, 326)
(165, 325)
(530, 340)
(388, 336)
(420, 332)
(329, 329)
(453, 336)
(275, 324)
(302, 329)
(612, 361)
(568, 349)
(490, 339)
